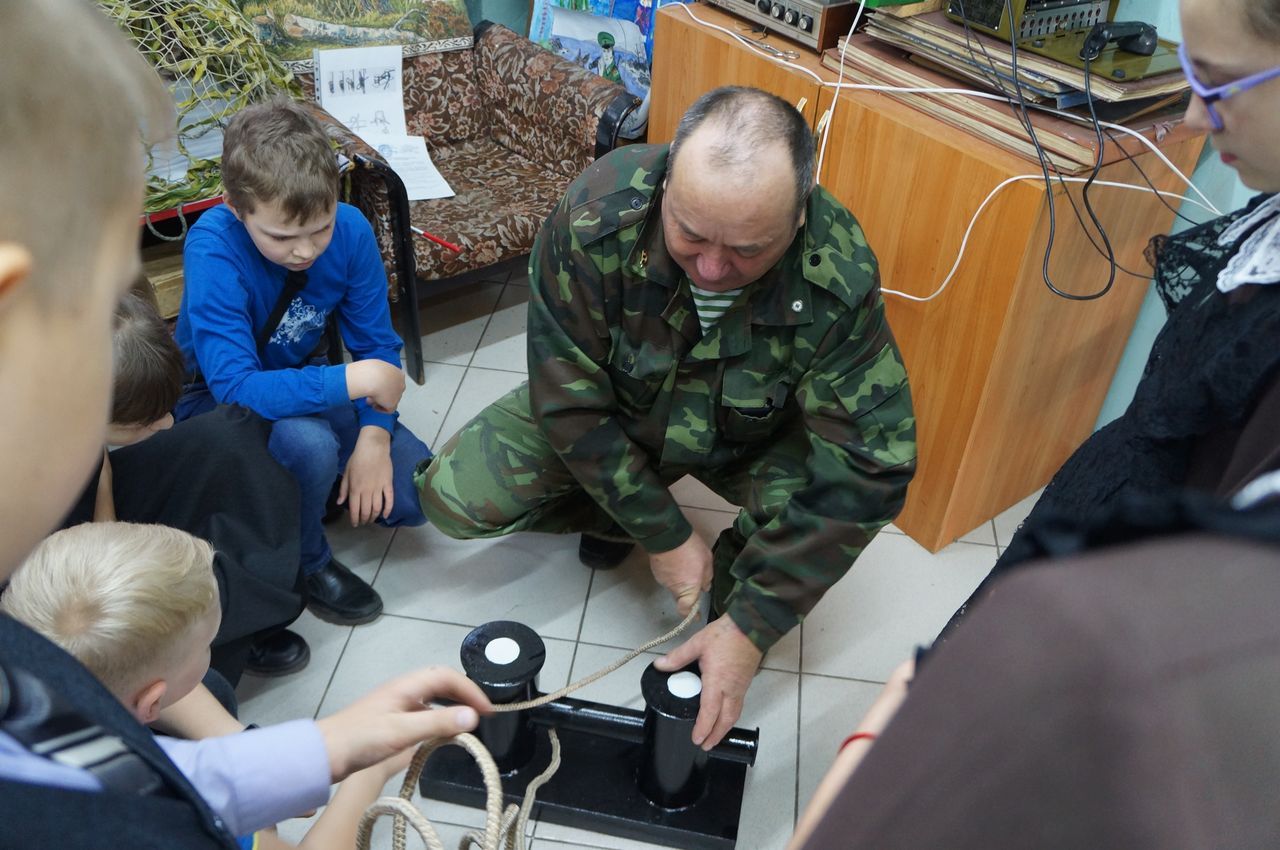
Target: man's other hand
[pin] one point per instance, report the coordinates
(728, 661)
(685, 571)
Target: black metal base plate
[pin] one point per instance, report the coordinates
(596, 788)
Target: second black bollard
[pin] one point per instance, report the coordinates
(673, 770)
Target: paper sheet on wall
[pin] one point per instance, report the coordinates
(362, 88)
(408, 157)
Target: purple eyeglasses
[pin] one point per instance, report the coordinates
(1211, 95)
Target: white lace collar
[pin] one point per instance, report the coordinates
(1258, 259)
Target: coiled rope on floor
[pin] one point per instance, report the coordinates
(502, 829)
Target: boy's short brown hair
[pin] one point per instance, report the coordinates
(149, 369)
(277, 152)
(75, 92)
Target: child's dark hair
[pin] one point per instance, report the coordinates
(277, 152)
(149, 370)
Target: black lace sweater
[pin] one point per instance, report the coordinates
(1213, 361)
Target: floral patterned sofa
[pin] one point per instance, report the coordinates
(508, 124)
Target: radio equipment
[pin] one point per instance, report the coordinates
(1031, 18)
(1071, 31)
(816, 24)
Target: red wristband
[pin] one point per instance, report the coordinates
(857, 736)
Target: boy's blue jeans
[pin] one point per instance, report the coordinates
(315, 449)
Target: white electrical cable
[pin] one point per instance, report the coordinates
(835, 98)
(1038, 178)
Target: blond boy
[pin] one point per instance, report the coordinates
(138, 606)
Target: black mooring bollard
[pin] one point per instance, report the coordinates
(504, 659)
(673, 770)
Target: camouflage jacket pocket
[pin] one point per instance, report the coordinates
(878, 403)
(753, 406)
(637, 371)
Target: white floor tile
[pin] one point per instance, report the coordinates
(423, 408)
(534, 579)
(785, 654)
(984, 534)
(503, 345)
(768, 803)
(479, 389)
(453, 320)
(1007, 523)
(274, 700)
(519, 277)
(829, 711)
(896, 596)
(627, 607)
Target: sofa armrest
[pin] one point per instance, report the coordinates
(545, 108)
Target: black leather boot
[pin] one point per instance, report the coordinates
(339, 596)
(600, 553)
(278, 654)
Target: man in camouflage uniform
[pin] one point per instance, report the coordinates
(793, 403)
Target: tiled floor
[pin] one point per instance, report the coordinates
(815, 684)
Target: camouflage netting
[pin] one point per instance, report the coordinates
(208, 53)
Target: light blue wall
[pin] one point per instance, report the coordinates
(513, 14)
(1218, 182)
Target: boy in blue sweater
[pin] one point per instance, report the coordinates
(263, 273)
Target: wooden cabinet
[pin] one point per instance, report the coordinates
(1007, 377)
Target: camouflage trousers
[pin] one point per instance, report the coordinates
(499, 475)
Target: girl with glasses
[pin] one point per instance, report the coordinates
(1206, 414)
(1124, 695)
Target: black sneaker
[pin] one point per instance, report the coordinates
(599, 553)
(278, 654)
(339, 596)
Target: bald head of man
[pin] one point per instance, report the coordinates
(739, 175)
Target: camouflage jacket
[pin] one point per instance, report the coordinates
(632, 395)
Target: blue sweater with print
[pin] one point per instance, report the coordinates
(229, 292)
